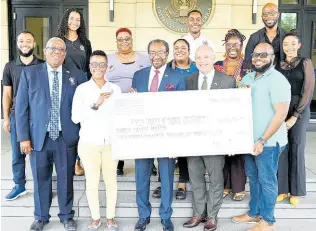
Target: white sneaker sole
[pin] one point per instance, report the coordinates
(21, 194)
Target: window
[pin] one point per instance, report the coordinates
(289, 2)
(311, 2)
(289, 21)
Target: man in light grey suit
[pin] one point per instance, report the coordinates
(206, 204)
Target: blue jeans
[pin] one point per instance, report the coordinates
(18, 159)
(262, 173)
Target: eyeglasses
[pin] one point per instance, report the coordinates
(231, 45)
(95, 65)
(159, 53)
(127, 39)
(272, 13)
(54, 49)
(262, 55)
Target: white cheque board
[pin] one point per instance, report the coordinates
(183, 123)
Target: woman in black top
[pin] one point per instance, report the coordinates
(300, 73)
(72, 30)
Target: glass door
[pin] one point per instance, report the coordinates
(42, 22)
(309, 46)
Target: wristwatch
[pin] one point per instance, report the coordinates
(94, 107)
(263, 141)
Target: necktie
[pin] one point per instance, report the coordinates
(204, 84)
(155, 82)
(54, 114)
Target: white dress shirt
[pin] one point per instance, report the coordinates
(94, 124)
(153, 73)
(210, 77)
(196, 43)
(50, 82)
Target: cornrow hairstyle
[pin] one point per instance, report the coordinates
(62, 30)
(234, 33)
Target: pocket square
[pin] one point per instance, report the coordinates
(169, 87)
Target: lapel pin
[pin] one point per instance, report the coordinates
(215, 83)
(72, 81)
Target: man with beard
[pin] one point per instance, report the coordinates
(10, 81)
(194, 37)
(271, 96)
(272, 34)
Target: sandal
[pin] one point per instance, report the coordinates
(239, 196)
(282, 197)
(226, 193)
(294, 200)
(94, 226)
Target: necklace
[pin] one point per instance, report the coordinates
(237, 74)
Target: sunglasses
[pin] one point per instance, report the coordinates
(262, 55)
(127, 39)
(95, 65)
(272, 13)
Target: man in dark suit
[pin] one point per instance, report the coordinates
(206, 204)
(46, 132)
(156, 78)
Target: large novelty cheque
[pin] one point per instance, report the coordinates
(183, 123)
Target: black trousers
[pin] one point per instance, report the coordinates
(291, 171)
(183, 170)
(234, 173)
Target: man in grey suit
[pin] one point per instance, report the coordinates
(206, 204)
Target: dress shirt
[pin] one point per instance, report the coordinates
(94, 124)
(153, 73)
(196, 43)
(210, 77)
(50, 81)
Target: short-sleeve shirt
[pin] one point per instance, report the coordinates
(267, 90)
(122, 74)
(11, 75)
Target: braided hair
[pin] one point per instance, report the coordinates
(234, 33)
(62, 30)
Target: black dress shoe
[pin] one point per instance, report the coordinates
(157, 193)
(167, 225)
(119, 172)
(181, 194)
(69, 224)
(154, 171)
(38, 225)
(142, 223)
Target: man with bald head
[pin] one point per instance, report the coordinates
(206, 204)
(46, 132)
(272, 33)
(271, 95)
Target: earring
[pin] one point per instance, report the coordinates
(225, 55)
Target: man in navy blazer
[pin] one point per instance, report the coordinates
(156, 78)
(46, 132)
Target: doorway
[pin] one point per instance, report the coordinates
(309, 43)
(42, 22)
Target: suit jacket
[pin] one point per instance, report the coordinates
(33, 105)
(220, 81)
(171, 80)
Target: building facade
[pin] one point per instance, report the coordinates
(42, 17)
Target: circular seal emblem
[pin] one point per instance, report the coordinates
(173, 14)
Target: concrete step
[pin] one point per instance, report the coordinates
(126, 206)
(126, 183)
(127, 224)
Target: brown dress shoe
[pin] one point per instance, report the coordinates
(78, 169)
(262, 226)
(244, 218)
(194, 221)
(210, 224)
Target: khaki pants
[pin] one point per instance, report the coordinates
(94, 159)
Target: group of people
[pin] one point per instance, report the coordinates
(58, 112)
